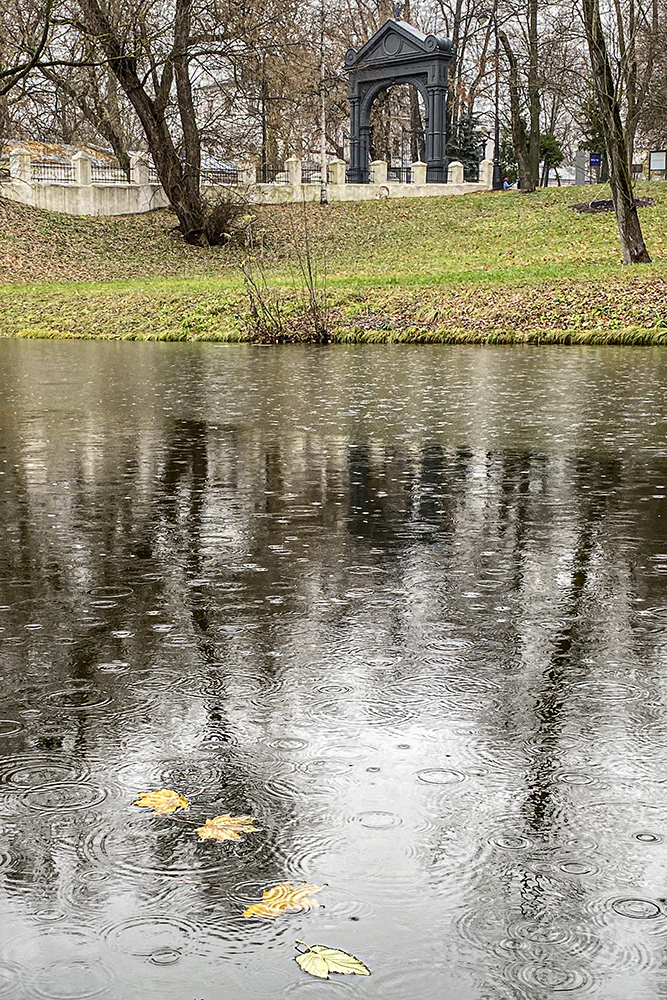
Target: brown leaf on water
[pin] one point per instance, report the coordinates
(226, 827)
(284, 898)
(163, 801)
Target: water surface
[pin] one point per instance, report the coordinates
(406, 606)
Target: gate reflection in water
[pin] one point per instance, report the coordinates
(405, 606)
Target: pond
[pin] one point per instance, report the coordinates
(407, 607)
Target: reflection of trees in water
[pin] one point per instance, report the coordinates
(593, 482)
(220, 519)
(389, 495)
(539, 897)
(553, 526)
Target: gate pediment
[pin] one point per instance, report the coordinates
(396, 41)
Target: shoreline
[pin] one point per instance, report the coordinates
(617, 312)
(630, 337)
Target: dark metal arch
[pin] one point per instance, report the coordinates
(371, 94)
(396, 54)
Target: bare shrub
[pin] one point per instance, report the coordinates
(267, 320)
(300, 312)
(226, 216)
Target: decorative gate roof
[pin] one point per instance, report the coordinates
(393, 43)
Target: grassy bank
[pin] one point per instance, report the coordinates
(491, 268)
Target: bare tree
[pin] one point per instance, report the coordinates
(524, 88)
(470, 26)
(94, 91)
(149, 94)
(629, 228)
(637, 37)
(24, 33)
(652, 123)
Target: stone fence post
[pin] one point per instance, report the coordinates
(379, 168)
(418, 172)
(581, 166)
(82, 171)
(293, 168)
(455, 172)
(19, 166)
(248, 174)
(139, 171)
(486, 174)
(337, 172)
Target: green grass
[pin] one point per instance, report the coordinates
(489, 268)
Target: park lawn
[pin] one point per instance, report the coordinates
(480, 268)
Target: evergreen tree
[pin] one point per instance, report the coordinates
(507, 157)
(551, 156)
(465, 142)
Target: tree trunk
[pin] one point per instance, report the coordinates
(191, 160)
(4, 119)
(108, 111)
(533, 94)
(4, 100)
(629, 228)
(381, 128)
(417, 147)
(519, 137)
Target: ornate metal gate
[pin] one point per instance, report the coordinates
(399, 53)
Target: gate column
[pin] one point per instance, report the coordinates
(355, 152)
(436, 137)
(364, 146)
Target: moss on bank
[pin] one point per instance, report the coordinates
(567, 314)
(480, 269)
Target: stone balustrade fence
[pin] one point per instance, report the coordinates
(83, 186)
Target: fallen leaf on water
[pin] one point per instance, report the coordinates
(226, 827)
(340, 961)
(284, 898)
(163, 801)
(319, 961)
(313, 964)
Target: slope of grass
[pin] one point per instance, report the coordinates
(480, 268)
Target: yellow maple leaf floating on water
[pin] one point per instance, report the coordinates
(284, 898)
(163, 801)
(319, 961)
(226, 827)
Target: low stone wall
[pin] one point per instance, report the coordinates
(339, 190)
(284, 194)
(79, 196)
(96, 199)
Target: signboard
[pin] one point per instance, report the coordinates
(595, 160)
(658, 158)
